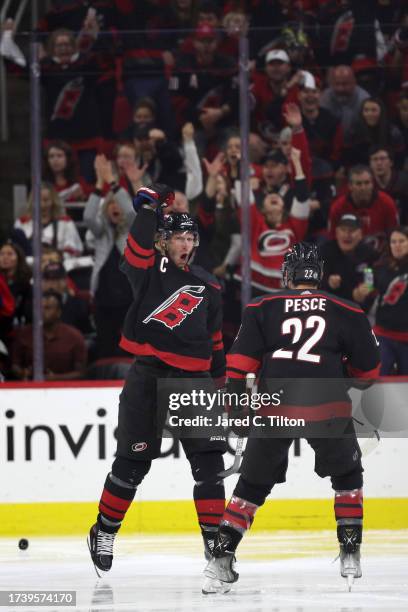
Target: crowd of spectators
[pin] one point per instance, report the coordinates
(141, 91)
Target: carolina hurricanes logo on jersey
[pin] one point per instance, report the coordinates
(395, 290)
(274, 242)
(173, 311)
(68, 99)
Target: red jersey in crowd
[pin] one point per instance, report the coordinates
(270, 244)
(377, 218)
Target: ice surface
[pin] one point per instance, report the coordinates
(282, 571)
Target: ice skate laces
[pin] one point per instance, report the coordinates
(104, 543)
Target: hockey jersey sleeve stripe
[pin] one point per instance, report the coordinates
(356, 373)
(138, 262)
(137, 249)
(242, 362)
(191, 364)
(218, 343)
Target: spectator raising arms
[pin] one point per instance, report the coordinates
(108, 219)
(391, 323)
(273, 231)
(69, 78)
(58, 230)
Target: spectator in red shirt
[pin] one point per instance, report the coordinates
(64, 346)
(274, 231)
(375, 209)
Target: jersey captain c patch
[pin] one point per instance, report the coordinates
(173, 311)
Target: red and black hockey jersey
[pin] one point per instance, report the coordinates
(306, 335)
(176, 315)
(391, 318)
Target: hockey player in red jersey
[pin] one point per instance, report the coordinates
(304, 334)
(173, 328)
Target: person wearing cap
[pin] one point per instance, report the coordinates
(274, 230)
(203, 88)
(275, 178)
(273, 88)
(323, 130)
(345, 258)
(376, 210)
(75, 310)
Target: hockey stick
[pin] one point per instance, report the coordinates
(233, 469)
(370, 444)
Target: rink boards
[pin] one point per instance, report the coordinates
(57, 443)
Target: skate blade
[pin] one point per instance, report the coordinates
(350, 582)
(213, 586)
(97, 570)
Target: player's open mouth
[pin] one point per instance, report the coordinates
(184, 256)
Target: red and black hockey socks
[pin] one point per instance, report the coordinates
(348, 510)
(209, 491)
(115, 500)
(348, 507)
(238, 518)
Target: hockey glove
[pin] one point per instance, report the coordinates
(156, 196)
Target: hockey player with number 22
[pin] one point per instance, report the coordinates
(305, 334)
(173, 328)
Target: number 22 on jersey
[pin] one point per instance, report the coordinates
(296, 327)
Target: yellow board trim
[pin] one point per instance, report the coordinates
(178, 516)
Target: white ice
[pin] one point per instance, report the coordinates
(290, 571)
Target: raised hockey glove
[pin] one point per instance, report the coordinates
(157, 196)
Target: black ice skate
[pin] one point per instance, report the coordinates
(350, 539)
(100, 544)
(219, 573)
(209, 535)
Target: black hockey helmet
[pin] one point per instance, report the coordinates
(178, 223)
(302, 264)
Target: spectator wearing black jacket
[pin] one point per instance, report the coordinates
(345, 259)
(390, 179)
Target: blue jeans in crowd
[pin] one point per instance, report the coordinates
(393, 352)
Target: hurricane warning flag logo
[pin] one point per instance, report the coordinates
(173, 311)
(395, 290)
